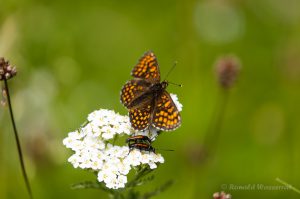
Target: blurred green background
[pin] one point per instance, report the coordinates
(74, 56)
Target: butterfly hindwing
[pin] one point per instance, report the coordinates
(166, 116)
(140, 118)
(147, 68)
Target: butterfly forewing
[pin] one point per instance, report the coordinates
(132, 90)
(140, 118)
(166, 115)
(147, 68)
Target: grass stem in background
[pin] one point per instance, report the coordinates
(288, 185)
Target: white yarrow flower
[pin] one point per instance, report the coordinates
(177, 103)
(94, 147)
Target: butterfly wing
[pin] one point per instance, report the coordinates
(166, 116)
(147, 68)
(140, 118)
(132, 90)
(137, 96)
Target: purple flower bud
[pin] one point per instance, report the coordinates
(227, 69)
(6, 70)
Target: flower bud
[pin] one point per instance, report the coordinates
(6, 70)
(221, 195)
(227, 69)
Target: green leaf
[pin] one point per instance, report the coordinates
(86, 185)
(91, 185)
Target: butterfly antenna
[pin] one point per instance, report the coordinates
(180, 85)
(175, 63)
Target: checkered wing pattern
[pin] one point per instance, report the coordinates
(140, 118)
(166, 116)
(147, 68)
(132, 90)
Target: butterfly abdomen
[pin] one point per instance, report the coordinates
(154, 91)
(141, 100)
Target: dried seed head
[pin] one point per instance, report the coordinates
(227, 69)
(221, 195)
(6, 70)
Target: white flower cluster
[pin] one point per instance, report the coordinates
(177, 103)
(95, 149)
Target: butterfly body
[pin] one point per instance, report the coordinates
(158, 88)
(146, 98)
(154, 91)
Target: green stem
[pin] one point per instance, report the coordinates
(141, 173)
(288, 185)
(212, 137)
(117, 195)
(17, 141)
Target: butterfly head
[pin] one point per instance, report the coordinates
(164, 84)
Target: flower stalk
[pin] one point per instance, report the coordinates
(7, 72)
(212, 137)
(20, 154)
(227, 69)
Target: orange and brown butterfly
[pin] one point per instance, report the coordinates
(146, 98)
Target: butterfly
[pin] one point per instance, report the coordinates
(146, 98)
